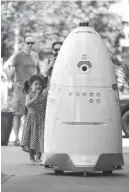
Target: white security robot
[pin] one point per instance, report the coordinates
(83, 122)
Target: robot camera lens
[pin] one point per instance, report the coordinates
(91, 100)
(84, 68)
(70, 94)
(84, 94)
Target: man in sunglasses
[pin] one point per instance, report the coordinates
(50, 62)
(25, 64)
(55, 49)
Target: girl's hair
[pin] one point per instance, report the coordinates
(33, 78)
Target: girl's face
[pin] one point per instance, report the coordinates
(36, 86)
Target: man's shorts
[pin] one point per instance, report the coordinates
(18, 99)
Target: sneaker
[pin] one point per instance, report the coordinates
(16, 143)
(32, 162)
(38, 162)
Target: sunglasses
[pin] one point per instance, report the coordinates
(56, 50)
(29, 43)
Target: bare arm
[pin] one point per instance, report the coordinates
(13, 60)
(52, 61)
(44, 67)
(30, 101)
(45, 91)
(9, 67)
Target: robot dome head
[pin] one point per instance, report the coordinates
(82, 60)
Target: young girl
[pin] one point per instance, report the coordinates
(33, 132)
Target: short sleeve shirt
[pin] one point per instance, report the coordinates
(25, 66)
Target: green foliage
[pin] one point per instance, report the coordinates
(53, 21)
(122, 74)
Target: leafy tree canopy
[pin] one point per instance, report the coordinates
(53, 21)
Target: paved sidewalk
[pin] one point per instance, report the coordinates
(19, 176)
(14, 161)
(5, 177)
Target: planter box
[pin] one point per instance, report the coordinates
(6, 126)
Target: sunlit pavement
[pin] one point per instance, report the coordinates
(23, 177)
(31, 178)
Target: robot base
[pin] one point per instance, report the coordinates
(62, 162)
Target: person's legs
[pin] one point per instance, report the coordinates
(32, 159)
(18, 108)
(38, 156)
(31, 153)
(16, 127)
